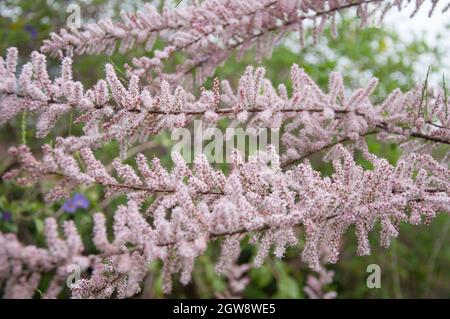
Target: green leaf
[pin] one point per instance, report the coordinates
(39, 224)
(288, 287)
(261, 276)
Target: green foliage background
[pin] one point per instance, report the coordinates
(415, 266)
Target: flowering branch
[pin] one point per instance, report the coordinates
(171, 216)
(259, 198)
(317, 118)
(209, 32)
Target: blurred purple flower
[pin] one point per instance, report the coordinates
(6, 216)
(77, 201)
(80, 201)
(31, 30)
(69, 206)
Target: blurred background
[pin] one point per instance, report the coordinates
(398, 53)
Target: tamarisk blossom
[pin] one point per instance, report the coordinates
(237, 280)
(33, 91)
(314, 288)
(207, 33)
(22, 266)
(258, 198)
(171, 216)
(263, 25)
(312, 118)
